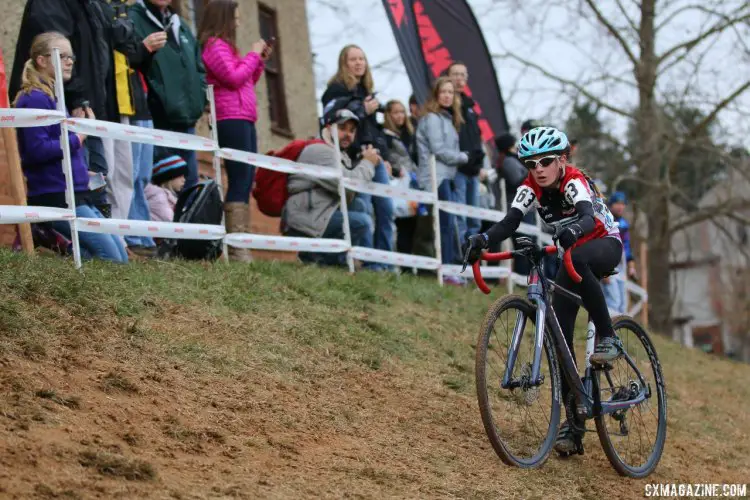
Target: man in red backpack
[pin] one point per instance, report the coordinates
(313, 207)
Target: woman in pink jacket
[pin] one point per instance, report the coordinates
(233, 77)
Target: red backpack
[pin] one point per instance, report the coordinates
(270, 186)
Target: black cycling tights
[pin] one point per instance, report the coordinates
(592, 260)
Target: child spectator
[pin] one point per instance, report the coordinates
(402, 156)
(167, 180)
(41, 154)
(234, 78)
(614, 288)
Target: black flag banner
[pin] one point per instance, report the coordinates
(447, 31)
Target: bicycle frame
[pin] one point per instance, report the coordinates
(539, 292)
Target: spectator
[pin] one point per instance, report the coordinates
(352, 84)
(353, 81)
(438, 135)
(614, 288)
(41, 153)
(132, 172)
(94, 34)
(402, 156)
(234, 78)
(313, 207)
(470, 140)
(176, 76)
(167, 180)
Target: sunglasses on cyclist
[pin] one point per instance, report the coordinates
(544, 162)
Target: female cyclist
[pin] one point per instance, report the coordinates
(567, 200)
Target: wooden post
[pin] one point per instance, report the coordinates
(644, 281)
(17, 187)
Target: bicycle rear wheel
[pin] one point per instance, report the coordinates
(633, 438)
(521, 423)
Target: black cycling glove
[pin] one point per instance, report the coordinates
(474, 245)
(568, 236)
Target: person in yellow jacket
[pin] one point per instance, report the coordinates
(128, 185)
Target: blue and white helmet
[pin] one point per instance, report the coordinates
(542, 140)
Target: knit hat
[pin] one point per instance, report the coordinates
(618, 197)
(168, 167)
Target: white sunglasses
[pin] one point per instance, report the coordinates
(544, 162)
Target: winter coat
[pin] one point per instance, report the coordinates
(94, 34)
(470, 136)
(176, 76)
(368, 130)
(161, 203)
(41, 155)
(398, 155)
(437, 136)
(313, 201)
(234, 79)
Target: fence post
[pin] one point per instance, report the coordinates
(342, 195)
(436, 220)
(217, 168)
(66, 163)
(507, 244)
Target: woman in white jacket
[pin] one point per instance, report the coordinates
(437, 134)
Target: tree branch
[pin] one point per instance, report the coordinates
(631, 23)
(565, 82)
(727, 209)
(613, 31)
(689, 45)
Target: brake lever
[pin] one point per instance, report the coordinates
(466, 257)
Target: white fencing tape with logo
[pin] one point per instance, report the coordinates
(286, 243)
(279, 164)
(15, 214)
(394, 258)
(154, 229)
(141, 134)
(22, 117)
(388, 191)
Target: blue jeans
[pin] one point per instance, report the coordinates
(614, 291)
(95, 245)
(467, 193)
(449, 245)
(360, 226)
(143, 162)
(383, 208)
(241, 135)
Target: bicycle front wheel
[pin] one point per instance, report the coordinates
(521, 422)
(633, 438)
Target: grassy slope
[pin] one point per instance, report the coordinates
(190, 381)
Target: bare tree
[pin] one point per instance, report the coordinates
(656, 68)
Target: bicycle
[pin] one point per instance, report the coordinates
(620, 405)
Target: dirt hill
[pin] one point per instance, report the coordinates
(272, 380)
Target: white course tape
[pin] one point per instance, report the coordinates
(151, 228)
(394, 258)
(141, 134)
(388, 191)
(16, 214)
(487, 271)
(286, 243)
(10, 117)
(492, 215)
(279, 164)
